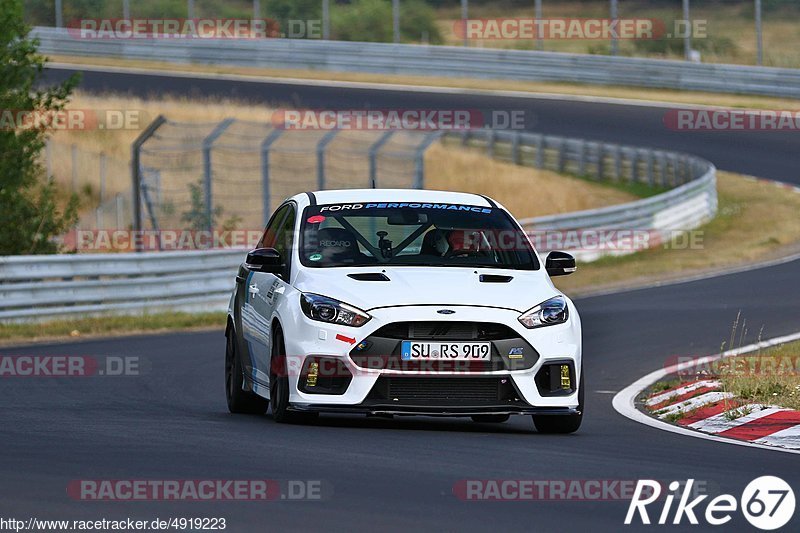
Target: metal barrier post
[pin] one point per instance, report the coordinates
(419, 158)
(136, 174)
(373, 157)
(74, 157)
(540, 151)
(265, 189)
(582, 158)
(515, 147)
(208, 143)
(102, 176)
(323, 143)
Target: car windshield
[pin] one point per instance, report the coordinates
(394, 234)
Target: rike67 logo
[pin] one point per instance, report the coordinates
(767, 503)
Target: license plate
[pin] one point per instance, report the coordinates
(447, 351)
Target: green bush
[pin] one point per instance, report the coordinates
(371, 21)
(32, 210)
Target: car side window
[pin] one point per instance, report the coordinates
(284, 240)
(268, 238)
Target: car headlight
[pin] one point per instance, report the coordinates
(548, 313)
(326, 309)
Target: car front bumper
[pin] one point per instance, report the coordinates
(518, 392)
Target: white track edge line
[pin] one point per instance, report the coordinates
(624, 400)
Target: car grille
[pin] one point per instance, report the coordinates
(381, 350)
(446, 331)
(462, 391)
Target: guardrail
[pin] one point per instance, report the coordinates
(690, 201)
(63, 286)
(441, 61)
(52, 287)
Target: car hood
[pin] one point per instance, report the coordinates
(429, 286)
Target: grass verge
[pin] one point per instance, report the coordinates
(756, 221)
(770, 377)
(108, 325)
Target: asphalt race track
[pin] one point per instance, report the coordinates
(766, 154)
(172, 422)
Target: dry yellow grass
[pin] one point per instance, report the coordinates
(632, 93)
(525, 191)
(756, 221)
(769, 377)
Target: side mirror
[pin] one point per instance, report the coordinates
(559, 264)
(266, 260)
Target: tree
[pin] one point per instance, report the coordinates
(32, 211)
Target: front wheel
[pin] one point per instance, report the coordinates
(239, 400)
(279, 386)
(561, 423)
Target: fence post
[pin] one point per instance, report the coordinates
(662, 169)
(326, 20)
(48, 158)
(562, 149)
(266, 194)
(119, 207)
(634, 165)
(102, 176)
(323, 143)
(601, 163)
(74, 168)
(208, 144)
(419, 158)
(136, 173)
(465, 137)
(373, 157)
(650, 177)
(617, 163)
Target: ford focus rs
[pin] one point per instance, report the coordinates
(402, 302)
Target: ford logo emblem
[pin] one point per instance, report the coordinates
(445, 311)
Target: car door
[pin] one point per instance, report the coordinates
(264, 291)
(257, 295)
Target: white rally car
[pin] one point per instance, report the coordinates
(402, 302)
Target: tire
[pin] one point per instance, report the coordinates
(490, 419)
(279, 386)
(239, 400)
(563, 424)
